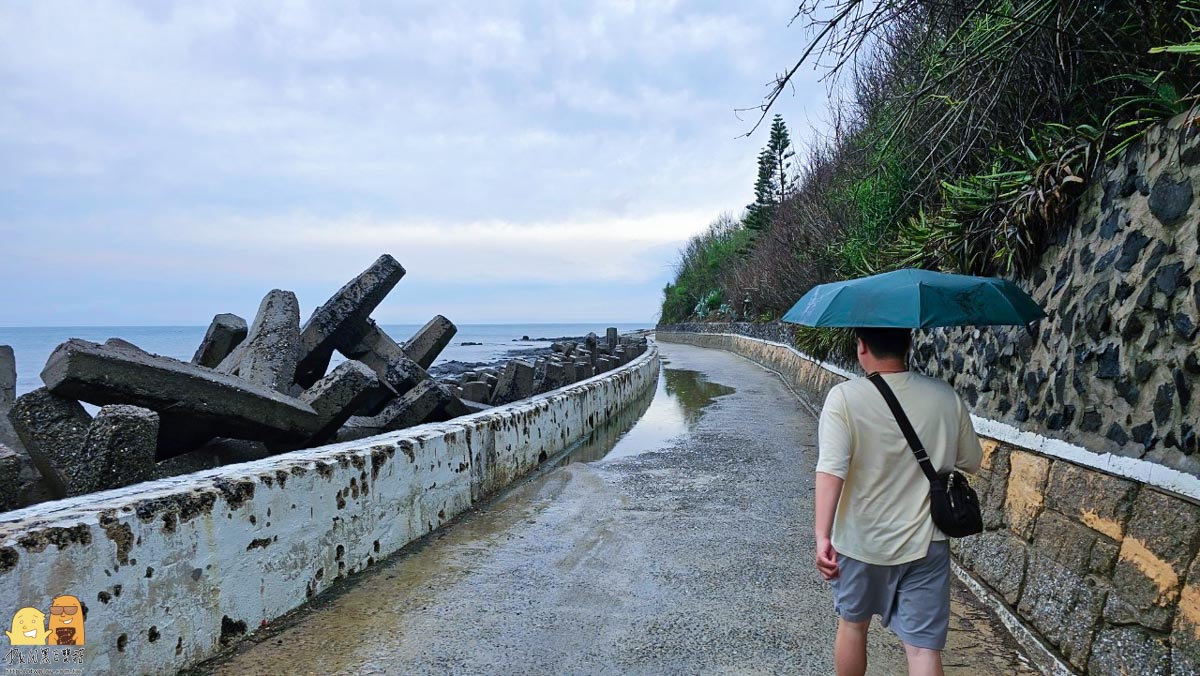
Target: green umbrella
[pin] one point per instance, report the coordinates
(915, 299)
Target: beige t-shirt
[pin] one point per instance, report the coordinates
(883, 513)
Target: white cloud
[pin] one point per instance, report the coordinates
(525, 142)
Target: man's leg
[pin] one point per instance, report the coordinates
(850, 648)
(923, 661)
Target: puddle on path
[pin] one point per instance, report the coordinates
(653, 421)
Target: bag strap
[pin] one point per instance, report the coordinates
(905, 426)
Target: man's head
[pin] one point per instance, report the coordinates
(882, 345)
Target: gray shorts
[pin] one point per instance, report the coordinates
(912, 598)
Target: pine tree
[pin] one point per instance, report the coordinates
(771, 187)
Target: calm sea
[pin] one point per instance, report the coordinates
(33, 345)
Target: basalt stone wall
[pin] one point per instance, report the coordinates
(1098, 571)
(1115, 367)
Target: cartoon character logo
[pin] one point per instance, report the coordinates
(28, 628)
(66, 621)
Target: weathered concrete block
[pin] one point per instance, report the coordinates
(1063, 605)
(188, 398)
(269, 354)
(412, 408)
(52, 429)
(118, 450)
(426, 344)
(225, 332)
(372, 346)
(515, 382)
(338, 395)
(554, 378)
(1159, 546)
(1129, 650)
(583, 370)
(10, 478)
(1101, 501)
(1026, 491)
(476, 390)
(346, 312)
(8, 394)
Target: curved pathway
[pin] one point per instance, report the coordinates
(693, 557)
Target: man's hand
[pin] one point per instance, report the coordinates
(826, 559)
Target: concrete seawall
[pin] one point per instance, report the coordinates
(171, 571)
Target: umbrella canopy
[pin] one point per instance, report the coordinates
(915, 299)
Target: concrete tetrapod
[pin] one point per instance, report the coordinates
(269, 353)
(224, 334)
(426, 344)
(52, 429)
(192, 401)
(343, 315)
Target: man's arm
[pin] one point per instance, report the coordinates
(834, 442)
(829, 490)
(970, 453)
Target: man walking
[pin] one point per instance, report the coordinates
(876, 540)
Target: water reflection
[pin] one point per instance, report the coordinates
(652, 421)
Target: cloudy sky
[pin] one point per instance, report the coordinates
(525, 161)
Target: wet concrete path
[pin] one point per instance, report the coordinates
(687, 550)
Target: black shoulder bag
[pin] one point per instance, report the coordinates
(952, 502)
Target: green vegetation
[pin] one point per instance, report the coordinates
(966, 133)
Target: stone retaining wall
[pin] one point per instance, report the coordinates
(1102, 568)
(171, 571)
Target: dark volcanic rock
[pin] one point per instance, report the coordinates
(1131, 250)
(1164, 403)
(1109, 362)
(1169, 278)
(1117, 434)
(1170, 199)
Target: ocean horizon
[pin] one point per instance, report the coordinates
(32, 345)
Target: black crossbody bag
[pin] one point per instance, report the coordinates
(952, 502)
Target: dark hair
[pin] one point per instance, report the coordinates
(885, 343)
